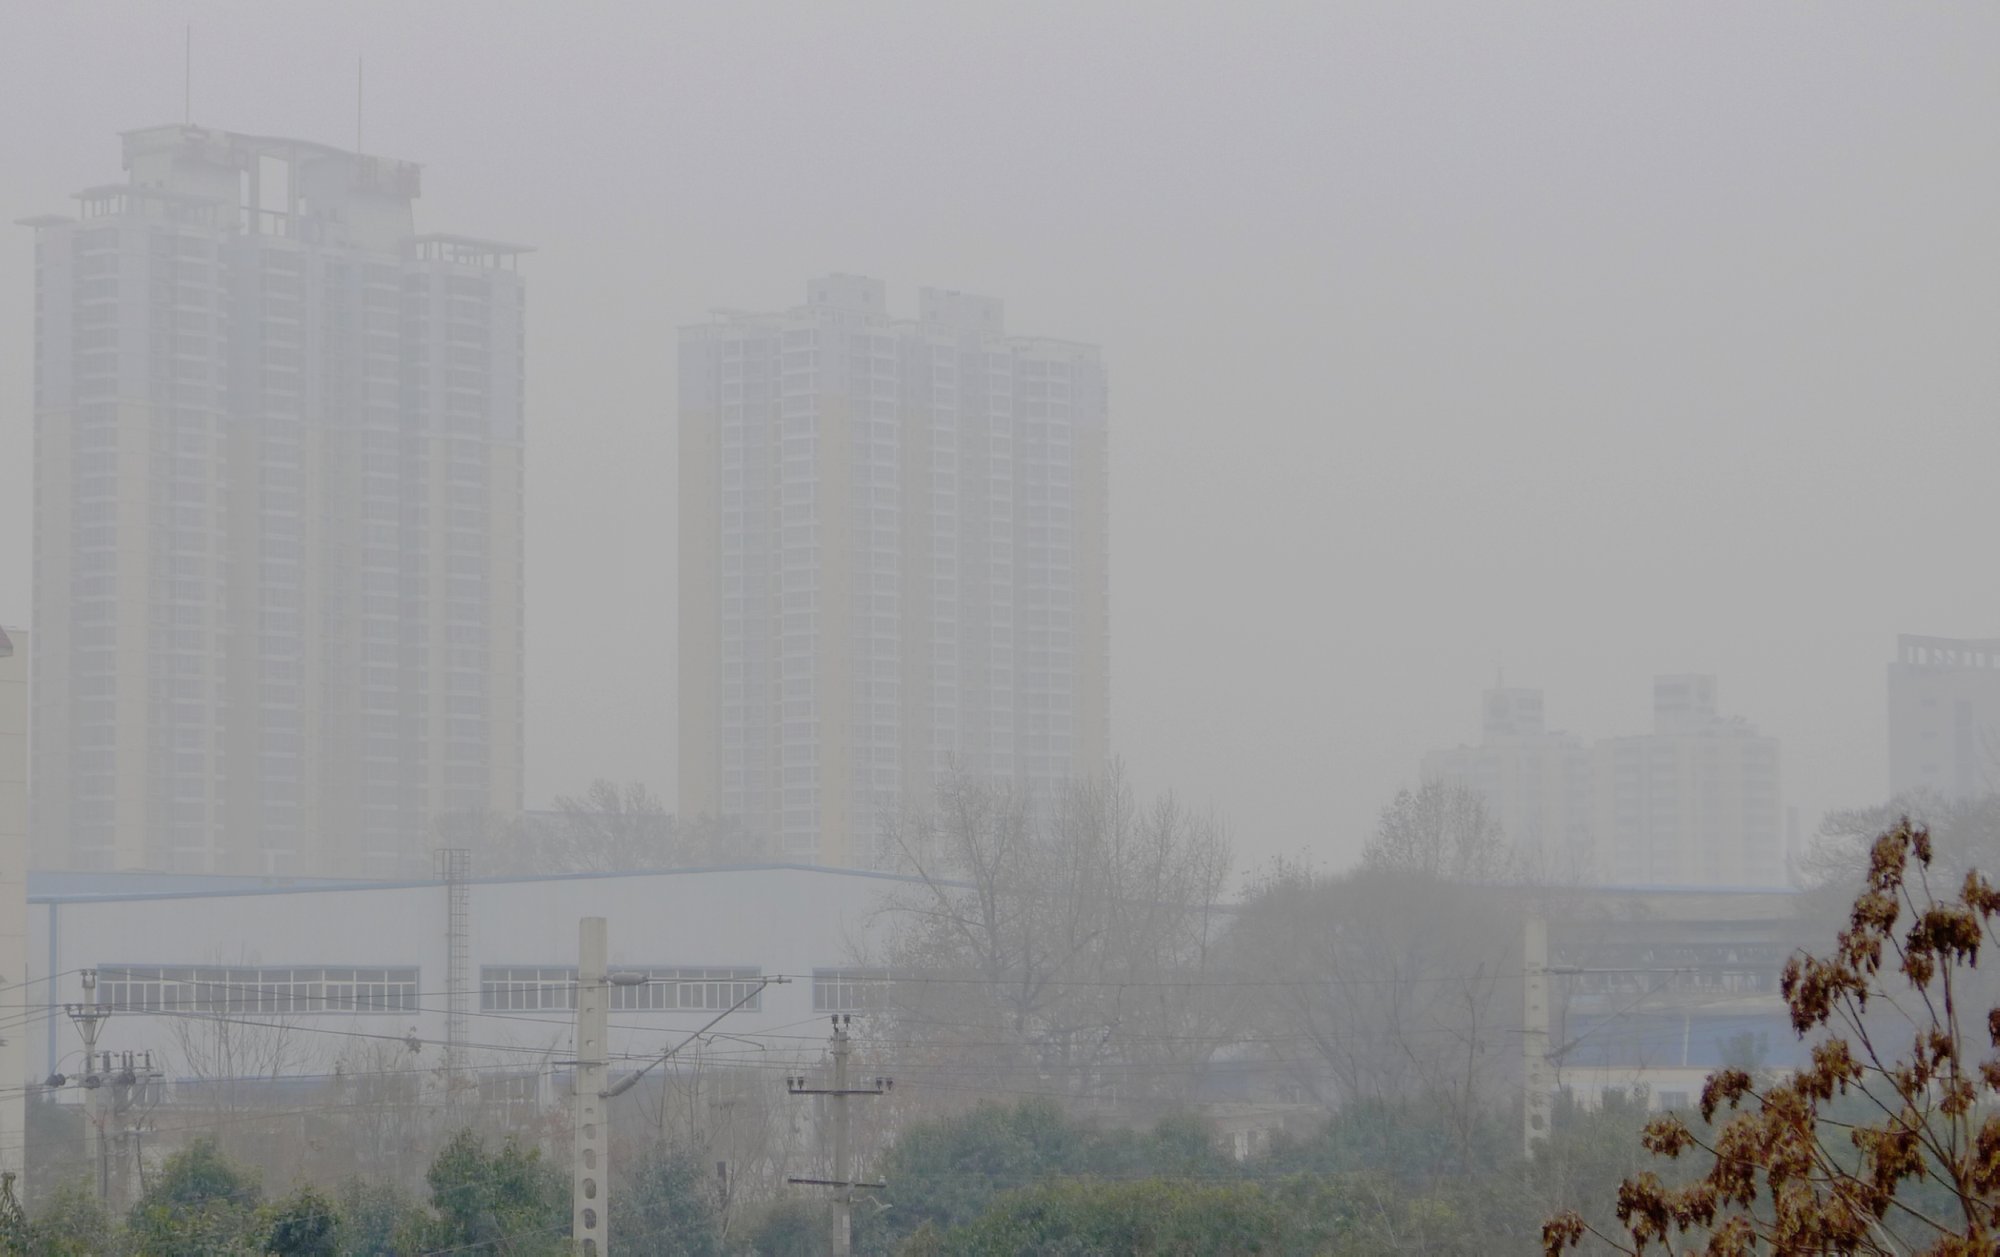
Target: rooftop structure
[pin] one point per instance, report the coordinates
(1944, 716)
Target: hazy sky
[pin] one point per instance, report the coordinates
(1589, 340)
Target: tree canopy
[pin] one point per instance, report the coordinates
(1873, 1148)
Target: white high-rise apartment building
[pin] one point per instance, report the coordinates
(1692, 803)
(893, 563)
(1944, 716)
(278, 557)
(1536, 782)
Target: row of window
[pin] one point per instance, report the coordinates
(152, 988)
(667, 989)
(289, 990)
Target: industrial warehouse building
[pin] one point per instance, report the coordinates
(338, 965)
(341, 963)
(395, 993)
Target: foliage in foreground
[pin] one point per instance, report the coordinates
(1026, 1177)
(501, 1200)
(1865, 1151)
(1377, 1178)
(1146, 1216)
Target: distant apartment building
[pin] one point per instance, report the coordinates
(893, 563)
(1944, 716)
(1537, 783)
(1694, 802)
(13, 889)
(278, 542)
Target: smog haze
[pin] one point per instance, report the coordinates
(1575, 344)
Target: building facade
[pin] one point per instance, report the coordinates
(278, 543)
(1536, 782)
(893, 564)
(1647, 989)
(1694, 802)
(1944, 716)
(13, 886)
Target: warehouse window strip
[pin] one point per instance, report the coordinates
(849, 990)
(668, 988)
(262, 991)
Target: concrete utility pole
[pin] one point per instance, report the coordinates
(843, 1196)
(454, 869)
(130, 1087)
(1537, 1098)
(89, 1016)
(843, 1186)
(590, 1182)
(590, 1178)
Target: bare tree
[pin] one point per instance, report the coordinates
(1443, 831)
(1069, 940)
(1383, 985)
(1965, 834)
(229, 1064)
(609, 828)
(386, 1130)
(500, 845)
(1402, 978)
(230, 1057)
(727, 1110)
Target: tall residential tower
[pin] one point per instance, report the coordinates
(278, 558)
(893, 563)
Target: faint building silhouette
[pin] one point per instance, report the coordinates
(1944, 716)
(893, 561)
(1536, 782)
(1694, 802)
(278, 558)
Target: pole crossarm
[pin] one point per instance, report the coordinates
(843, 1196)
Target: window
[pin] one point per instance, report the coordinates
(671, 989)
(848, 990)
(280, 991)
(520, 989)
(667, 989)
